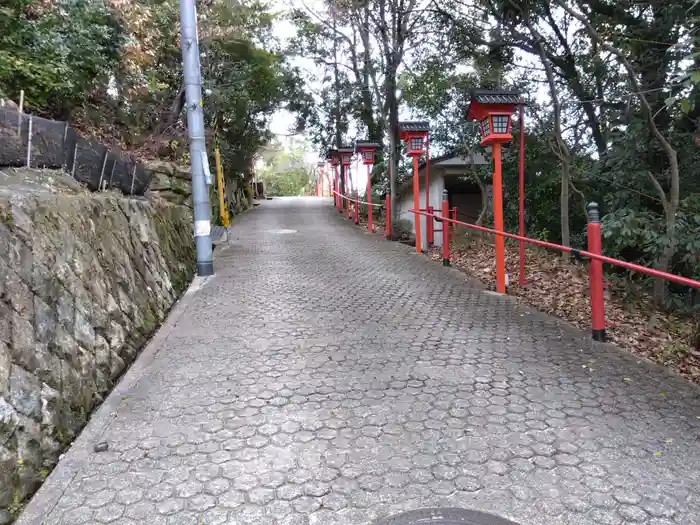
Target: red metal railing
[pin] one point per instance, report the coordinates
(552, 246)
(593, 253)
(446, 227)
(449, 221)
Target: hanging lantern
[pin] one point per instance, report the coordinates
(367, 151)
(494, 111)
(413, 135)
(333, 157)
(346, 154)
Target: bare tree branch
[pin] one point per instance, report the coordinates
(671, 201)
(660, 191)
(632, 75)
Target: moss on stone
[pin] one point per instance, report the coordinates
(172, 226)
(120, 262)
(6, 215)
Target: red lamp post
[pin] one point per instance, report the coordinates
(321, 171)
(346, 154)
(333, 157)
(521, 192)
(367, 151)
(429, 224)
(494, 111)
(414, 135)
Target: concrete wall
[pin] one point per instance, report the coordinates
(437, 184)
(84, 280)
(468, 204)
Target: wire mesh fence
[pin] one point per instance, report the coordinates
(35, 142)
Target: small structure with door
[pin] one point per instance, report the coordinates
(450, 172)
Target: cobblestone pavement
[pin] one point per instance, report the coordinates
(326, 376)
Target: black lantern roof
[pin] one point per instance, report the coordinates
(485, 96)
(485, 102)
(332, 154)
(418, 126)
(362, 144)
(321, 163)
(346, 150)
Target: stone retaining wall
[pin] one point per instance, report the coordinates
(172, 181)
(84, 280)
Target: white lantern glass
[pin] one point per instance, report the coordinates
(417, 143)
(368, 155)
(500, 124)
(485, 128)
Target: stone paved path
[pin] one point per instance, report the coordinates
(326, 376)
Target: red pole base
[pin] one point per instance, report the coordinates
(595, 274)
(430, 227)
(387, 218)
(445, 231)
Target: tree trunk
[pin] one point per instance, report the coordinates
(670, 202)
(336, 116)
(664, 262)
(374, 126)
(558, 144)
(484, 202)
(394, 142)
(564, 204)
(695, 337)
(484, 199)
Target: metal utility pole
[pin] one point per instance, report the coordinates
(195, 129)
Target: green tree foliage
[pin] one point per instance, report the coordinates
(246, 79)
(247, 83)
(284, 171)
(57, 53)
(115, 70)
